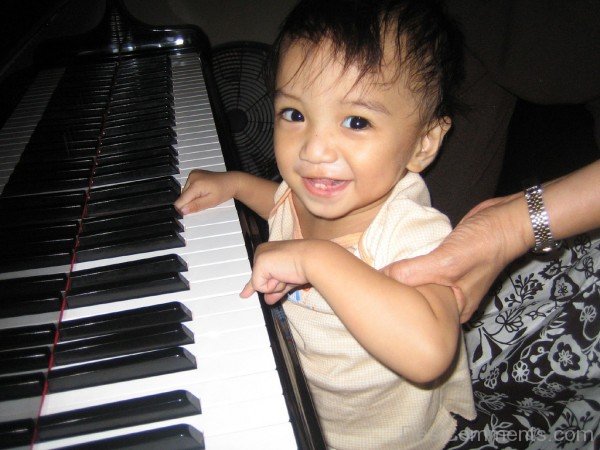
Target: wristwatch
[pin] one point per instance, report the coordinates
(544, 242)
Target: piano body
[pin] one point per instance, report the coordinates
(120, 321)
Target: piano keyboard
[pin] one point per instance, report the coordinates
(234, 379)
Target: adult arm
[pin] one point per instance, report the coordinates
(498, 231)
(204, 189)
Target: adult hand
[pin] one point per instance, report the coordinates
(489, 237)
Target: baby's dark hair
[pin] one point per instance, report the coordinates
(428, 44)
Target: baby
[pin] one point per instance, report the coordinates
(362, 96)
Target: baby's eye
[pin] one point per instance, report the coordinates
(292, 115)
(355, 123)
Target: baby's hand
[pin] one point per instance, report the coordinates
(278, 268)
(205, 189)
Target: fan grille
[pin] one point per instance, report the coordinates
(238, 69)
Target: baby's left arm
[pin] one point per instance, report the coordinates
(413, 331)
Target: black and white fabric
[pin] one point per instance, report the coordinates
(534, 351)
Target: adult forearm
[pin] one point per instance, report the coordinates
(573, 202)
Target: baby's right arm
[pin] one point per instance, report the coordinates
(204, 189)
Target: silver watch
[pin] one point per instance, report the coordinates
(544, 242)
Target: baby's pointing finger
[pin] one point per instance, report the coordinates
(248, 290)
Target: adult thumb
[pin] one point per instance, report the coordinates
(414, 271)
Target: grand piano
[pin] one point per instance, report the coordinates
(120, 321)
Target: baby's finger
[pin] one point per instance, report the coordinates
(271, 299)
(248, 290)
(184, 198)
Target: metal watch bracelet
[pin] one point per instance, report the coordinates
(544, 241)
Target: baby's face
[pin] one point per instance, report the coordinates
(340, 144)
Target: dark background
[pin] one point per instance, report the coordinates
(546, 140)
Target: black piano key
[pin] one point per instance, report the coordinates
(139, 169)
(60, 113)
(140, 126)
(122, 343)
(142, 101)
(60, 256)
(52, 177)
(50, 170)
(31, 295)
(34, 305)
(91, 132)
(152, 276)
(18, 211)
(126, 92)
(153, 408)
(123, 155)
(22, 386)
(24, 241)
(100, 88)
(98, 325)
(117, 343)
(130, 219)
(128, 271)
(162, 136)
(41, 208)
(172, 312)
(122, 238)
(126, 117)
(126, 245)
(125, 233)
(16, 433)
(13, 361)
(139, 135)
(30, 336)
(132, 75)
(50, 124)
(58, 168)
(23, 288)
(165, 112)
(175, 437)
(74, 134)
(140, 144)
(112, 292)
(131, 107)
(29, 183)
(135, 70)
(124, 368)
(136, 154)
(133, 195)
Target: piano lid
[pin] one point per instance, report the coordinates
(55, 32)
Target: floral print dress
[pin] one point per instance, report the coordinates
(534, 350)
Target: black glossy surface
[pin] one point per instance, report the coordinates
(176, 437)
(154, 408)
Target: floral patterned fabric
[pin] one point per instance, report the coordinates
(534, 353)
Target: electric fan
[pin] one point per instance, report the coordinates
(238, 69)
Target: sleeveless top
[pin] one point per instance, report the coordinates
(360, 402)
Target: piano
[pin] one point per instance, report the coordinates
(120, 321)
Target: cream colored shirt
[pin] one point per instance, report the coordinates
(361, 403)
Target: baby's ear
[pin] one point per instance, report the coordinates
(429, 144)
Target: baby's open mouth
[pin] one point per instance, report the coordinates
(325, 183)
